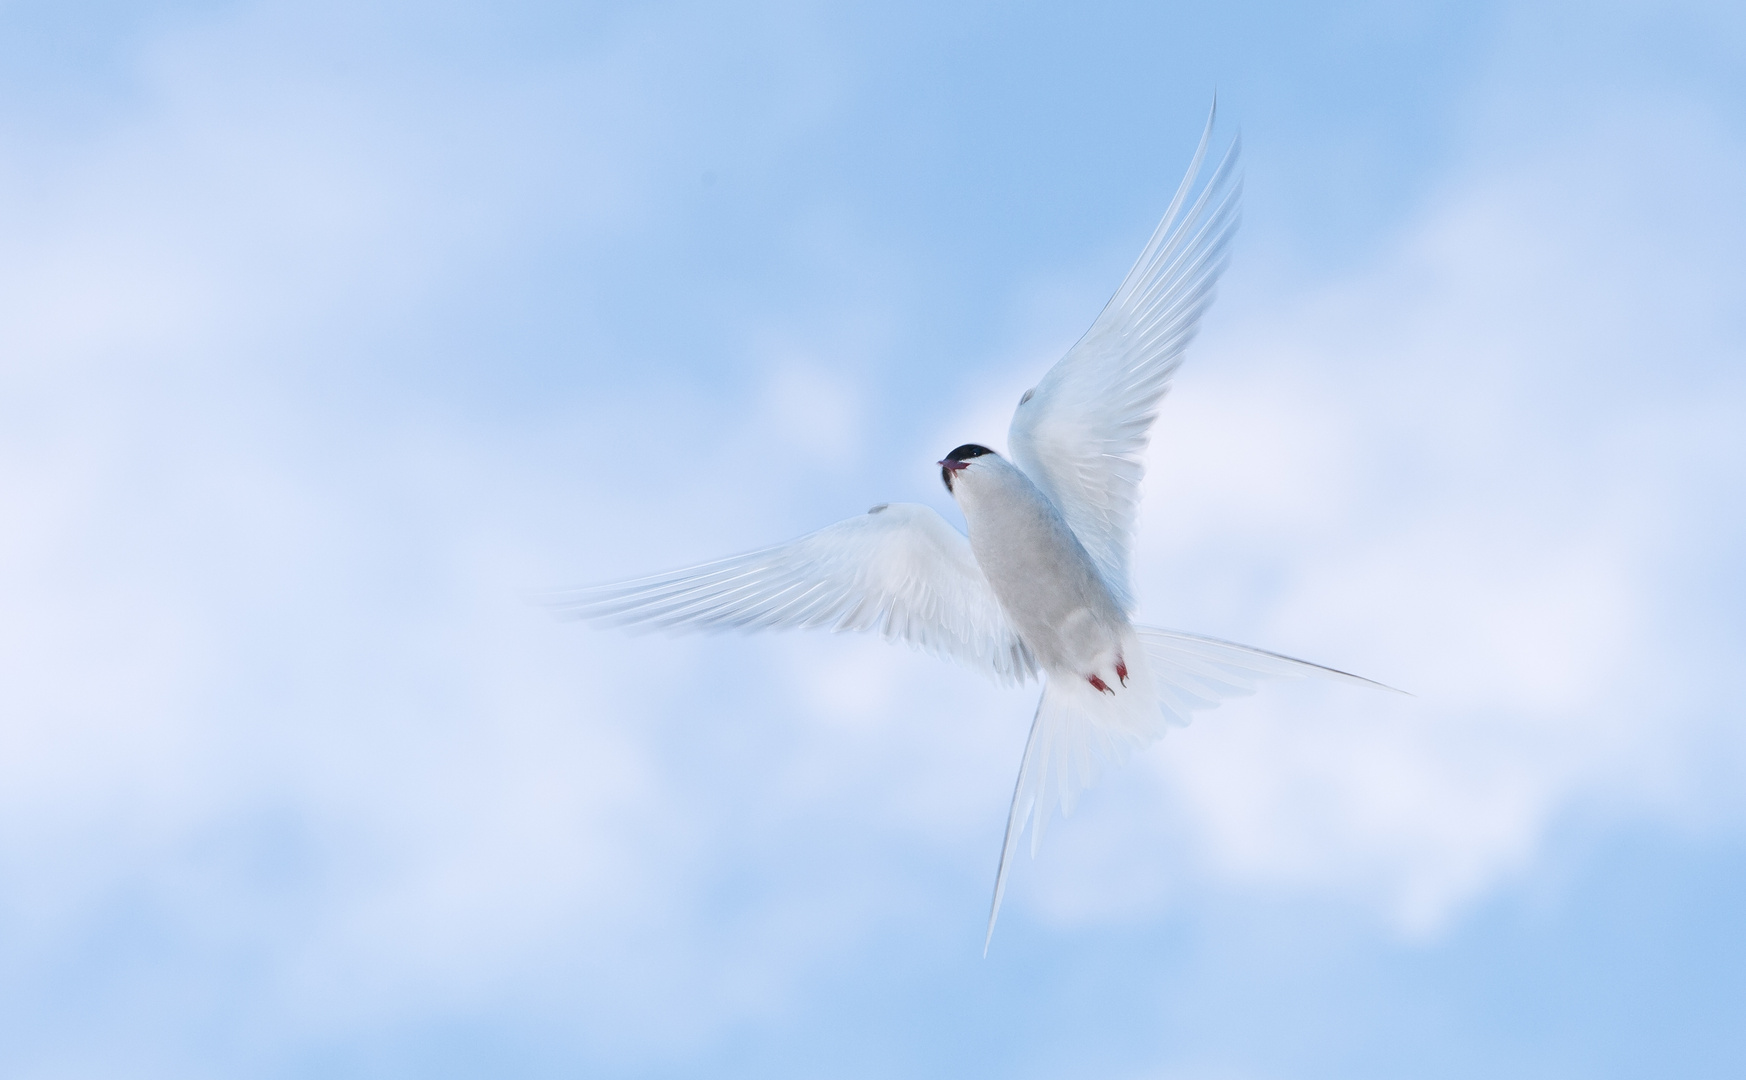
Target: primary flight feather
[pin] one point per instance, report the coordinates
(1040, 586)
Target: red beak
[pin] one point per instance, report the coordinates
(954, 465)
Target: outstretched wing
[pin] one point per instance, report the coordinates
(1079, 434)
(1078, 731)
(899, 569)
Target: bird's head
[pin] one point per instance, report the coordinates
(959, 460)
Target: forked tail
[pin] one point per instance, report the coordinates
(1078, 730)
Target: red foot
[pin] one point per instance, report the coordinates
(1122, 670)
(1099, 683)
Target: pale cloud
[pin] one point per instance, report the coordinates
(269, 676)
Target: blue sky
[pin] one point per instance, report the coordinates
(329, 331)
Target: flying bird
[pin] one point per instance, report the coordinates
(1039, 588)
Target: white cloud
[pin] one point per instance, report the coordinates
(266, 673)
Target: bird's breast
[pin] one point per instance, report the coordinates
(1042, 576)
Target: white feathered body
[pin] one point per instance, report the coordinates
(1100, 701)
(1040, 572)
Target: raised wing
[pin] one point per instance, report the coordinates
(899, 569)
(1080, 433)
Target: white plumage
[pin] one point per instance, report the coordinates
(1041, 584)
(899, 569)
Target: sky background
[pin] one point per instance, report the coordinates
(331, 331)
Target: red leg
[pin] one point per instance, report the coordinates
(1099, 683)
(1122, 670)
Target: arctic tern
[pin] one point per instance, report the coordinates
(1040, 586)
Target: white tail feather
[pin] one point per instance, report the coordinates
(1078, 731)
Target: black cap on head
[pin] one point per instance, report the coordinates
(963, 453)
